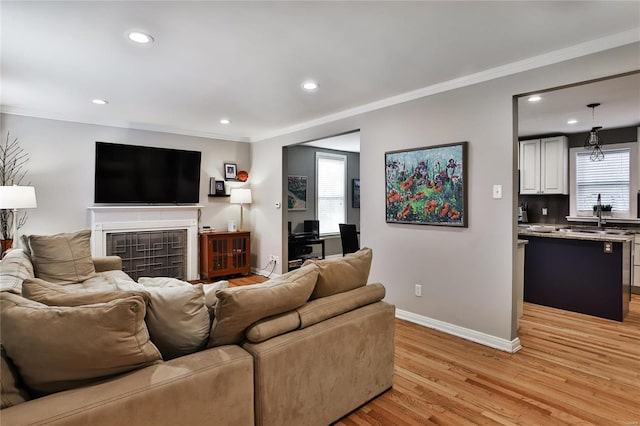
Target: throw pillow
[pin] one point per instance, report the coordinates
(162, 282)
(62, 258)
(210, 292)
(177, 318)
(15, 267)
(239, 307)
(58, 295)
(342, 274)
(59, 348)
(209, 289)
(12, 392)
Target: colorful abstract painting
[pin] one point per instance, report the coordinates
(427, 186)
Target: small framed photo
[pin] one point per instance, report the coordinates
(355, 193)
(220, 187)
(230, 171)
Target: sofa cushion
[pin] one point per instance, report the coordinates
(52, 294)
(62, 258)
(239, 307)
(342, 274)
(78, 345)
(177, 318)
(15, 267)
(327, 307)
(13, 393)
(104, 279)
(276, 325)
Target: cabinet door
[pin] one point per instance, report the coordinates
(219, 254)
(239, 251)
(554, 165)
(530, 167)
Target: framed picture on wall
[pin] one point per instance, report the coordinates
(355, 193)
(297, 192)
(427, 186)
(230, 171)
(220, 187)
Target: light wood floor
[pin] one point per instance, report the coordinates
(573, 369)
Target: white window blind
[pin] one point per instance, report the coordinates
(330, 182)
(609, 178)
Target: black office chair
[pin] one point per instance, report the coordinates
(349, 237)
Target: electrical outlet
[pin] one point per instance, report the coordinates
(418, 290)
(544, 211)
(274, 258)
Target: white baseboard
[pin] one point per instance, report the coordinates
(264, 272)
(510, 346)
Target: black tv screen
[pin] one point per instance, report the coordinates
(141, 174)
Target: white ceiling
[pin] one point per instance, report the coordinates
(619, 100)
(246, 60)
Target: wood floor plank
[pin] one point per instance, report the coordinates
(573, 369)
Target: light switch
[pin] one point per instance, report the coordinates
(497, 191)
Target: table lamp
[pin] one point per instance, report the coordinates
(240, 196)
(17, 197)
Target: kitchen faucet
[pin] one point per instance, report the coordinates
(599, 211)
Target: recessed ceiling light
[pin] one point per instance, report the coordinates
(535, 98)
(139, 37)
(225, 121)
(572, 121)
(100, 102)
(310, 85)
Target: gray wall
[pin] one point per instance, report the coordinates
(301, 161)
(61, 167)
(467, 274)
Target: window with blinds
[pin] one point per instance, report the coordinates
(609, 178)
(330, 191)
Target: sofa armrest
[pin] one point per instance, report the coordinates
(298, 374)
(207, 387)
(107, 263)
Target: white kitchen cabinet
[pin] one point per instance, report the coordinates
(544, 166)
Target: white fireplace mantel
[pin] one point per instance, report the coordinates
(110, 219)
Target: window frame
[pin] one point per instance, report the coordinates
(334, 156)
(633, 180)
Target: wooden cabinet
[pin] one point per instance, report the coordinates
(544, 166)
(224, 253)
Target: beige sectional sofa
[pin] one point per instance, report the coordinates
(305, 348)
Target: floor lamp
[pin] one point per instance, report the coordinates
(14, 198)
(240, 196)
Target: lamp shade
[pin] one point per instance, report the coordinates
(240, 196)
(17, 197)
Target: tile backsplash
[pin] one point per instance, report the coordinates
(557, 208)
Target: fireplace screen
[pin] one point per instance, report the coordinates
(150, 253)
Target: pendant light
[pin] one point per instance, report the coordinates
(593, 141)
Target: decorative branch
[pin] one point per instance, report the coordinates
(13, 160)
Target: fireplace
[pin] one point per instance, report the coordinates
(152, 240)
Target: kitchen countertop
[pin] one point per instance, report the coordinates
(577, 235)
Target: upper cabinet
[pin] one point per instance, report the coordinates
(544, 166)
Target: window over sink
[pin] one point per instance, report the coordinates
(614, 178)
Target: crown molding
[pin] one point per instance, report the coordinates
(556, 56)
(125, 125)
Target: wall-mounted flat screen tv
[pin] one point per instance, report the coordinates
(146, 175)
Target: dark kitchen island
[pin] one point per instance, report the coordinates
(579, 272)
